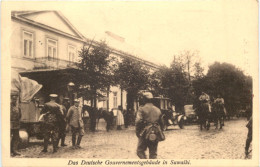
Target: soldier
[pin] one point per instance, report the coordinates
(63, 122)
(52, 122)
(148, 113)
(74, 118)
(15, 123)
(249, 136)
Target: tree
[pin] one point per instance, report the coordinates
(97, 70)
(172, 83)
(132, 76)
(228, 81)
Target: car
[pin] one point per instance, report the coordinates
(169, 116)
(190, 114)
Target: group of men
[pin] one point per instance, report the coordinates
(56, 120)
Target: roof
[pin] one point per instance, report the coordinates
(116, 43)
(32, 17)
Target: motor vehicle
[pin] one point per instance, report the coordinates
(170, 117)
(30, 126)
(190, 114)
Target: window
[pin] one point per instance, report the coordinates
(52, 49)
(27, 44)
(115, 99)
(71, 53)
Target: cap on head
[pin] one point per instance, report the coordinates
(14, 93)
(53, 95)
(148, 95)
(76, 101)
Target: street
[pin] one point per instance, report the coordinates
(187, 143)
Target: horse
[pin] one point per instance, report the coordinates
(204, 114)
(107, 116)
(218, 114)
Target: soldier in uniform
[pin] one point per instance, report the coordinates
(74, 118)
(63, 122)
(52, 122)
(15, 123)
(148, 113)
(249, 136)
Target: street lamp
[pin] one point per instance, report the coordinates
(70, 88)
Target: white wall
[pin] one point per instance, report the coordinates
(40, 42)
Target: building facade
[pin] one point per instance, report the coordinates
(45, 46)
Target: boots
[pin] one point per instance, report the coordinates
(45, 145)
(78, 141)
(73, 140)
(63, 142)
(55, 146)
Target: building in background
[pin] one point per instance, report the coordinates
(44, 47)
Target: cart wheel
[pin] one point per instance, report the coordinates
(24, 138)
(181, 123)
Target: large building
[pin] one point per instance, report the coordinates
(44, 47)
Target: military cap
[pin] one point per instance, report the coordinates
(14, 93)
(148, 95)
(76, 100)
(53, 95)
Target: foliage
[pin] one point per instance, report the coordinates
(132, 76)
(229, 82)
(97, 70)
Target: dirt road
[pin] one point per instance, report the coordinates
(187, 143)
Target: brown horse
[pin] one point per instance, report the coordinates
(218, 114)
(107, 116)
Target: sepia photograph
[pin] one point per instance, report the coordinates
(116, 82)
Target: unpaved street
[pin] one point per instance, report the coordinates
(187, 143)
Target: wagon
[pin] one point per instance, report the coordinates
(30, 109)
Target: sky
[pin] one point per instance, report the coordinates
(219, 30)
(224, 31)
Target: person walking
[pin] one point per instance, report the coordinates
(53, 117)
(15, 123)
(147, 116)
(74, 118)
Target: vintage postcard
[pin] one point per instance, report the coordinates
(127, 83)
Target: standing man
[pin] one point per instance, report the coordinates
(52, 122)
(147, 114)
(15, 123)
(74, 119)
(249, 136)
(63, 123)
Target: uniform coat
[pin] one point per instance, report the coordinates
(146, 114)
